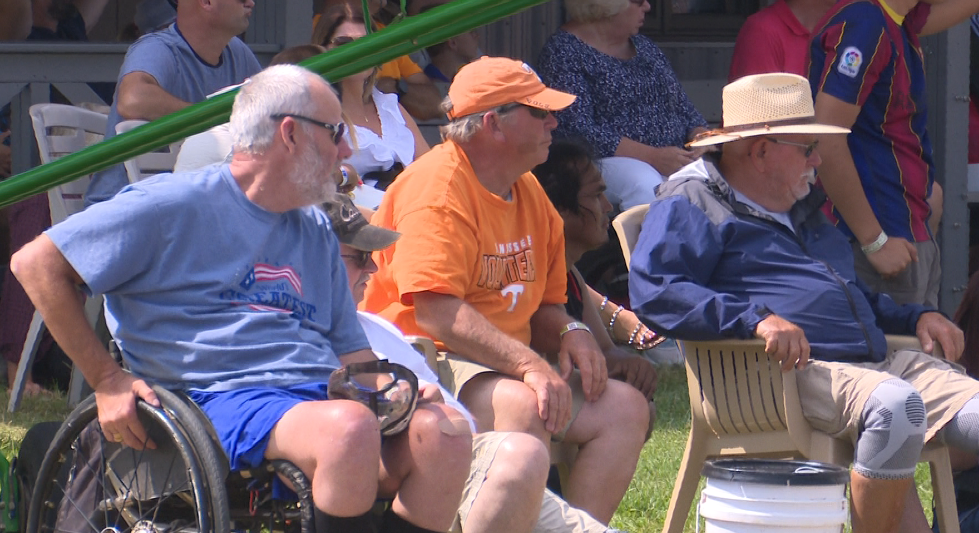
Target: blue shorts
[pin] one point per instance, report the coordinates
(243, 419)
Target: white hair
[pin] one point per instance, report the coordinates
(279, 89)
(460, 129)
(592, 10)
(463, 129)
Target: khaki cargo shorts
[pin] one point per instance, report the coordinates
(833, 395)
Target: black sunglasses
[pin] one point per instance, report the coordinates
(360, 258)
(536, 112)
(809, 148)
(336, 130)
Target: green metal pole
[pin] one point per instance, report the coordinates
(432, 27)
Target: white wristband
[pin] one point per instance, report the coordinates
(868, 249)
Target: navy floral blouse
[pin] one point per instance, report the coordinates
(640, 98)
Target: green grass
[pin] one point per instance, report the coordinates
(33, 410)
(642, 510)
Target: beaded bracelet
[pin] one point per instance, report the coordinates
(615, 314)
(601, 307)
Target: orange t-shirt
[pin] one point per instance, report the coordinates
(504, 258)
(399, 68)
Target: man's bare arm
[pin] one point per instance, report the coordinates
(360, 356)
(842, 183)
(52, 285)
(948, 13)
(142, 98)
(467, 332)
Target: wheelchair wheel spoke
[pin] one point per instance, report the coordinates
(101, 487)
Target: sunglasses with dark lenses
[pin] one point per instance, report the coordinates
(809, 148)
(359, 258)
(536, 112)
(336, 130)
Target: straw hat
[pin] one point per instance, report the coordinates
(766, 104)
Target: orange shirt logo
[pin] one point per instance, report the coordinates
(498, 271)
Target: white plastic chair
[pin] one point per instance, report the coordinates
(743, 405)
(150, 163)
(627, 225)
(60, 130)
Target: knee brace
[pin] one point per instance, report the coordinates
(963, 430)
(894, 425)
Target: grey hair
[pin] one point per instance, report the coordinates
(593, 10)
(463, 129)
(279, 89)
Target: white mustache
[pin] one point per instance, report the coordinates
(810, 176)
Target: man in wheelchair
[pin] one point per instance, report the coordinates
(227, 284)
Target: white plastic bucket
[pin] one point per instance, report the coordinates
(761, 496)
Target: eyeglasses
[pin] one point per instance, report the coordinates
(809, 147)
(536, 112)
(336, 130)
(360, 258)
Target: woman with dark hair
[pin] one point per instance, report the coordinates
(576, 188)
(384, 137)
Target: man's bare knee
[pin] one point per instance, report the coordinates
(629, 405)
(425, 445)
(428, 424)
(424, 449)
(503, 404)
(526, 457)
(621, 408)
(343, 471)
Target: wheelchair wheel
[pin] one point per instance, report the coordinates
(87, 484)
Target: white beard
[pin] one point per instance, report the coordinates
(313, 177)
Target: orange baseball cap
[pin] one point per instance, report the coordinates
(490, 82)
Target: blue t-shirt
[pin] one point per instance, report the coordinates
(168, 57)
(205, 290)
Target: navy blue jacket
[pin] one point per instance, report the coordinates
(709, 267)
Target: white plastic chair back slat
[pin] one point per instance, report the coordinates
(61, 130)
(152, 163)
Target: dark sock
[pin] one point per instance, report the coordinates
(395, 524)
(343, 524)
